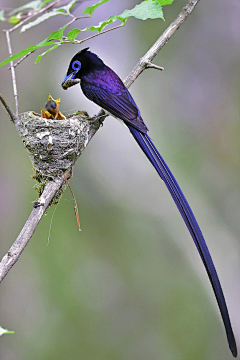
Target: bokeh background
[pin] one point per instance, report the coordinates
(131, 285)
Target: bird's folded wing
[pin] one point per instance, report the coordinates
(119, 103)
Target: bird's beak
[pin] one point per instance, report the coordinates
(69, 81)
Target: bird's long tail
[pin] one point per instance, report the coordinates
(157, 161)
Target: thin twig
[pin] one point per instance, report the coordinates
(52, 186)
(31, 52)
(50, 226)
(34, 14)
(153, 66)
(103, 32)
(11, 114)
(76, 42)
(76, 206)
(75, 18)
(19, 61)
(90, 37)
(12, 71)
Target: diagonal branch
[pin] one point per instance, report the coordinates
(30, 226)
(161, 41)
(53, 186)
(11, 114)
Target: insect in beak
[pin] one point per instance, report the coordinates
(69, 81)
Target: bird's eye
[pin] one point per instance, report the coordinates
(76, 65)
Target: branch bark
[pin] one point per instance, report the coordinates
(11, 114)
(53, 186)
(161, 41)
(30, 226)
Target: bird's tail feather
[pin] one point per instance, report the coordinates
(164, 172)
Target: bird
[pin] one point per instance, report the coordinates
(52, 109)
(100, 84)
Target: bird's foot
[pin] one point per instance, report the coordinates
(100, 119)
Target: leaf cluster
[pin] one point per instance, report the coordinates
(147, 9)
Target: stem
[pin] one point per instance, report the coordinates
(19, 61)
(12, 116)
(34, 14)
(74, 18)
(90, 37)
(12, 71)
(69, 23)
(103, 32)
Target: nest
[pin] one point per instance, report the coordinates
(55, 145)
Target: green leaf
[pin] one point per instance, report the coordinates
(45, 52)
(14, 19)
(29, 49)
(103, 24)
(5, 331)
(165, 2)
(56, 35)
(91, 9)
(72, 34)
(148, 9)
(31, 5)
(42, 18)
(60, 11)
(2, 18)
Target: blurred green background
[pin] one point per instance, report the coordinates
(131, 285)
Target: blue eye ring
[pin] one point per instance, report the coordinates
(76, 65)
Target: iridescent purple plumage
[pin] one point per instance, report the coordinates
(102, 85)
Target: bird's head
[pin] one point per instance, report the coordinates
(81, 64)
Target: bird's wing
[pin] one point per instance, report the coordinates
(117, 102)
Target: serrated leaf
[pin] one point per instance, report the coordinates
(165, 2)
(2, 18)
(14, 20)
(72, 34)
(5, 331)
(102, 24)
(42, 18)
(29, 49)
(148, 9)
(31, 5)
(56, 35)
(91, 9)
(45, 52)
